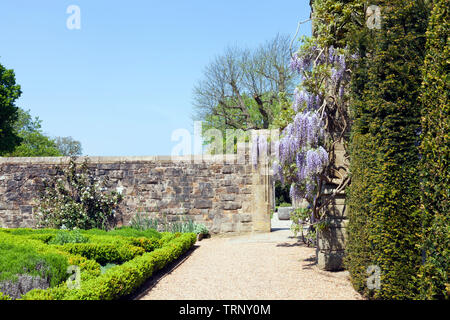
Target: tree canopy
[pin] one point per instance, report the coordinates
(9, 93)
(241, 88)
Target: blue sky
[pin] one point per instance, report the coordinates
(123, 82)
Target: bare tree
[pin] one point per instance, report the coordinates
(240, 87)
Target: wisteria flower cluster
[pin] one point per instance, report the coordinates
(259, 149)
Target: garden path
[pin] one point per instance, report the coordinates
(258, 266)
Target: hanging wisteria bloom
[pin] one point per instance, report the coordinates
(259, 149)
(300, 99)
(296, 193)
(277, 172)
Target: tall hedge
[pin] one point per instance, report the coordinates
(435, 151)
(384, 217)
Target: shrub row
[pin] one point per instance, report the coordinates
(89, 268)
(385, 226)
(435, 151)
(103, 253)
(18, 259)
(120, 280)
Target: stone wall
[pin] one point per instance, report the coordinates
(226, 196)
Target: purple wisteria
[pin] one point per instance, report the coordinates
(305, 131)
(259, 148)
(301, 156)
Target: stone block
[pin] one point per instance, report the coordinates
(232, 205)
(330, 260)
(245, 217)
(26, 209)
(202, 204)
(245, 227)
(227, 169)
(232, 189)
(227, 227)
(332, 239)
(227, 197)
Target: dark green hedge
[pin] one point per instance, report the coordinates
(384, 216)
(435, 151)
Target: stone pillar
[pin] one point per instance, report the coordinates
(331, 241)
(262, 201)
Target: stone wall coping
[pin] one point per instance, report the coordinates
(225, 159)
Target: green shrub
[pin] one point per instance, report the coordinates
(63, 237)
(285, 205)
(148, 244)
(4, 297)
(17, 259)
(384, 214)
(121, 280)
(200, 229)
(103, 253)
(74, 198)
(143, 223)
(125, 232)
(435, 151)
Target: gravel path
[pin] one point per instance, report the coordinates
(263, 266)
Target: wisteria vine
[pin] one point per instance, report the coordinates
(320, 119)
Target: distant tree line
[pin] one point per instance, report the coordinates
(21, 135)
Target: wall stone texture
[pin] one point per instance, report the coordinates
(225, 196)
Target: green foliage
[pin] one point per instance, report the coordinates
(9, 93)
(107, 267)
(285, 205)
(103, 253)
(63, 237)
(334, 21)
(385, 223)
(119, 281)
(4, 296)
(75, 199)
(20, 258)
(34, 142)
(281, 193)
(435, 151)
(125, 232)
(144, 223)
(200, 229)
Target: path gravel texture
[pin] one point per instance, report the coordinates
(268, 266)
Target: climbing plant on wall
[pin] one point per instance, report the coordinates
(320, 115)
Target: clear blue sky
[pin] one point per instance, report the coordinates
(123, 82)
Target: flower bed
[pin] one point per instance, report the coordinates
(137, 254)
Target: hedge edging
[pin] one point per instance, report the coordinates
(121, 280)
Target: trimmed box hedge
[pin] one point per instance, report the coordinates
(120, 280)
(141, 252)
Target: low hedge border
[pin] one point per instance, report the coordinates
(89, 268)
(120, 280)
(102, 253)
